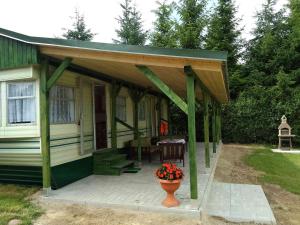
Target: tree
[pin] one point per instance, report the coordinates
(192, 23)
(131, 26)
(267, 50)
(163, 34)
(79, 31)
(224, 34)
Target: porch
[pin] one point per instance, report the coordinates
(141, 191)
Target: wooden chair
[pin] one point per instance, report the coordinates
(172, 152)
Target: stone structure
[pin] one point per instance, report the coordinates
(284, 133)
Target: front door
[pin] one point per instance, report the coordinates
(100, 117)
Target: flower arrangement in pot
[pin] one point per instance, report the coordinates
(169, 176)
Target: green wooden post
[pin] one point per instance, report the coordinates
(149, 123)
(113, 126)
(206, 129)
(45, 127)
(218, 124)
(158, 116)
(169, 119)
(214, 127)
(190, 82)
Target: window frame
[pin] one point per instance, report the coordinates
(124, 106)
(75, 106)
(7, 98)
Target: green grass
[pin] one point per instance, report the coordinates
(14, 204)
(281, 169)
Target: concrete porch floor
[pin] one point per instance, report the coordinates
(141, 191)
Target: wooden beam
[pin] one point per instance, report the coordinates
(137, 59)
(58, 72)
(190, 82)
(163, 87)
(45, 127)
(213, 123)
(206, 129)
(189, 70)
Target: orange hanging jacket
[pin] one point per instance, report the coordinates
(163, 128)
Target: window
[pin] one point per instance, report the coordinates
(142, 111)
(121, 108)
(21, 102)
(62, 105)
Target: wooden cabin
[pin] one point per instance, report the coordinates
(61, 101)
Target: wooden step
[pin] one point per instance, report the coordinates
(115, 157)
(131, 170)
(122, 164)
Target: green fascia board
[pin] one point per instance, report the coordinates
(70, 172)
(132, 49)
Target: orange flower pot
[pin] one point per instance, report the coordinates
(170, 187)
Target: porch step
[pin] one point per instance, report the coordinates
(122, 164)
(114, 158)
(109, 162)
(132, 170)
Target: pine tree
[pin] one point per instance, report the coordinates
(131, 27)
(193, 20)
(266, 51)
(224, 34)
(163, 34)
(79, 31)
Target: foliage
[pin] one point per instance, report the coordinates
(131, 26)
(268, 82)
(163, 34)
(193, 20)
(281, 169)
(169, 171)
(14, 204)
(79, 31)
(224, 34)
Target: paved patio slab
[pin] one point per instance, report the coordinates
(292, 151)
(140, 191)
(239, 203)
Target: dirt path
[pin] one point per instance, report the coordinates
(231, 168)
(65, 214)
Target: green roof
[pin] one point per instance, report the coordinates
(133, 49)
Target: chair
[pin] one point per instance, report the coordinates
(172, 151)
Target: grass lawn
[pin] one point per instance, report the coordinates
(14, 204)
(281, 169)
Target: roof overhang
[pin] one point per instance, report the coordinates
(119, 61)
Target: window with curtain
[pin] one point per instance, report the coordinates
(21, 102)
(62, 105)
(142, 111)
(121, 108)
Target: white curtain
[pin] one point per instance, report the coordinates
(21, 103)
(62, 105)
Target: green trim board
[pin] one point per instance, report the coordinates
(70, 172)
(16, 53)
(133, 49)
(28, 175)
